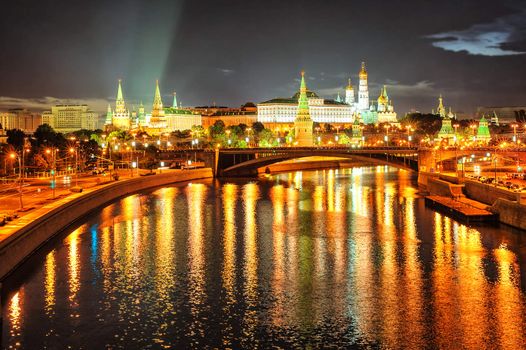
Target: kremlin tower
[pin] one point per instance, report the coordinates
(157, 120)
(303, 123)
(363, 90)
(120, 118)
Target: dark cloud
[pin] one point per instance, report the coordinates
(486, 39)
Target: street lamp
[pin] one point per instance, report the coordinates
(73, 150)
(54, 170)
(514, 126)
(386, 138)
(14, 155)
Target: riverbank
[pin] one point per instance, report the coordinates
(28, 233)
(509, 206)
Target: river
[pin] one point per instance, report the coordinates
(341, 258)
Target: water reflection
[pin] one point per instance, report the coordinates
(306, 259)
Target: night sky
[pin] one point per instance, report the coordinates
(230, 52)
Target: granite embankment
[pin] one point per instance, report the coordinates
(510, 206)
(37, 227)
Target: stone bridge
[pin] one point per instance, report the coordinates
(245, 162)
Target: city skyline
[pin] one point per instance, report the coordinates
(472, 55)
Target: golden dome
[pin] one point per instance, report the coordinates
(363, 72)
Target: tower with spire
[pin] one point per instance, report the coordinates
(120, 116)
(363, 90)
(441, 110)
(303, 123)
(446, 133)
(109, 116)
(483, 134)
(157, 120)
(349, 94)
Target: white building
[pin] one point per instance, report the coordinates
(69, 118)
(284, 110)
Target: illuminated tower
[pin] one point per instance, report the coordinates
(109, 116)
(157, 120)
(174, 104)
(349, 94)
(121, 116)
(141, 116)
(441, 110)
(363, 91)
(303, 123)
(483, 134)
(383, 101)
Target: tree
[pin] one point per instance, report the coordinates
(15, 137)
(344, 139)
(217, 129)
(266, 138)
(45, 135)
(258, 127)
(198, 131)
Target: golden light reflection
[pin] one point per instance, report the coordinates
(196, 196)
(165, 260)
(277, 195)
(74, 270)
(229, 253)
(15, 317)
(250, 196)
(49, 282)
(509, 301)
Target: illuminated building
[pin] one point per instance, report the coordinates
(349, 96)
(120, 117)
(157, 120)
(446, 132)
(363, 90)
(19, 118)
(178, 118)
(303, 123)
(247, 115)
(69, 118)
(166, 119)
(279, 112)
(483, 134)
(276, 112)
(357, 131)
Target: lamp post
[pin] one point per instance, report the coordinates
(386, 138)
(20, 173)
(514, 126)
(455, 126)
(54, 169)
(409, 136)
(73, 150)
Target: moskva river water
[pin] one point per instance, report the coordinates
(346, 258)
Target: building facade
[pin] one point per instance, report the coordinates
(19, 118)
(279, 111)
(246, 114)
(69, 118)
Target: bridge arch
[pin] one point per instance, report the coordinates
(248, 166)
